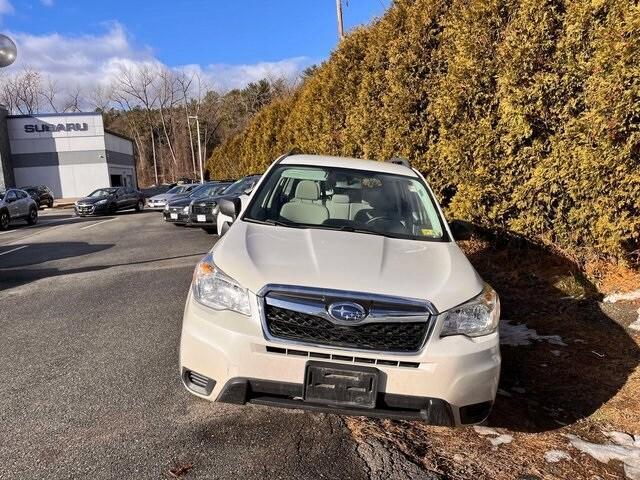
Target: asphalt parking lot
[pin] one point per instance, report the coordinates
(90, 314)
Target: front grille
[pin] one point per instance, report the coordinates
(202, 209)
(342, 358)
(392, 337)
(85, 208)
(390, 326)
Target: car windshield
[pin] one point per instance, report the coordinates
(176, 189)
(102, 192)
(237, 187)
(205, 190)
(349, 200)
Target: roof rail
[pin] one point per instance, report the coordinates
(399, 161)
(293, 151)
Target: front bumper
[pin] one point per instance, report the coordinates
(180, 217)
(451, 381)
(90, 209)
(153, 205)
(202, 219)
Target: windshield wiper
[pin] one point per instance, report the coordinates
(277, 223)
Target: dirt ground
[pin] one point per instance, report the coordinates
(585, 381)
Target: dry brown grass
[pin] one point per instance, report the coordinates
(591, 386)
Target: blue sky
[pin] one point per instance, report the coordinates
(63, 36)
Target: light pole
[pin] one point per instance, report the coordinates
(339, 15)
(199, 145)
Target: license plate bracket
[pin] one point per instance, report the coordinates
(341, 385)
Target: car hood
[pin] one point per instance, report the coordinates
(180, 201)
(91, 200)
(214, 199)
(257, 255)
(163, 196)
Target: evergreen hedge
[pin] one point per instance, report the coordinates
(523, 115)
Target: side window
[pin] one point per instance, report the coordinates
(21, 194)
(129, 190)
(11, 196)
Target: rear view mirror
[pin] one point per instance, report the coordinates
(460, 229)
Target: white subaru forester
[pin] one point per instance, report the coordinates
(340, 288)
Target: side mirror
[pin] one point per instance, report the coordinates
(461, 230)
(230, 208)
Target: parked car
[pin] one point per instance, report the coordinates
(204, 212)
(341, 288)
(42, 195)
(109, 200)
(158, 202)
(17, 204)
(177, 210)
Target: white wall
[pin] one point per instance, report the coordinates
(66, 181)
(61, 141)
(118, 144)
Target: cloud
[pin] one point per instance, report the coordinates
(85, 61)
(6, 7)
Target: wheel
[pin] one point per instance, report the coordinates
(139, 206)
(32, 219)
(50, 204)
(111, 209)
(4, 220)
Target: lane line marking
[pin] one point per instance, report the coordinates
(14, 250)
(99, 223)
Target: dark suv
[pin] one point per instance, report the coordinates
(42, 195)
(109, 200)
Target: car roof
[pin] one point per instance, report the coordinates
(347, 162)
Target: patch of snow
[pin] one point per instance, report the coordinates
(624, 448)
(555, 456)
(501, 439)
(504, 393)
(627, 296)
(518, 334)
(518, 390)
(481, 430)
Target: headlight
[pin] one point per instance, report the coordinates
(479, 316)
(185, 209)
(215, 289)
(101, 202)
(166, 206)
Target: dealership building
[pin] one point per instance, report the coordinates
(71, 153)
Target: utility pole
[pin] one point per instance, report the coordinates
(199, 146)
(153, 148)
(339, 12)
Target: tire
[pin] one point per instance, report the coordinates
(50, 204)
(140, 206)
(111, 209)
(32, 219)
(4, 220)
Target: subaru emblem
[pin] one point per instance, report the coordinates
(347, 311)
